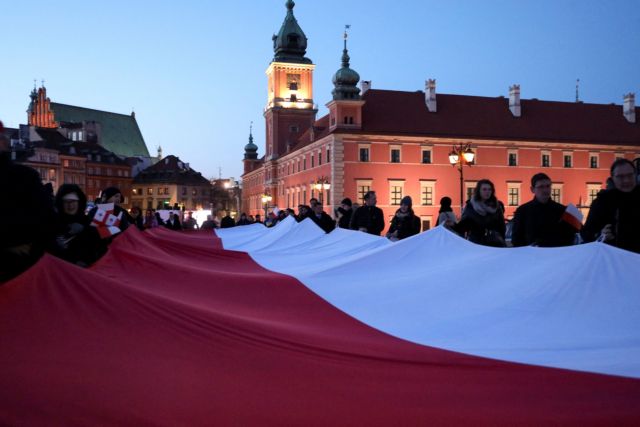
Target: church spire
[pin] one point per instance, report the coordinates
(251, 149)
(345, 80)
(290, 44)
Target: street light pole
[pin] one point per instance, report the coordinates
(321, 185)
(461, 155)
(265, 201)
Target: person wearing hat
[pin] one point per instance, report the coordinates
(75, 240)
(405, 223)
(344, 213)
(445, 213)
(368, 218)
(26, 228)
(114, 195)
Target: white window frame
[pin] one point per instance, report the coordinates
(427, 183)
(395, 183)
(518, 186)
(557, 186)
(422, 150)
(395, 147)
(368, 148)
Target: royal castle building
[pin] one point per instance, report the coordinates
(399, 143)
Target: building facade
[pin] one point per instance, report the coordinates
(91, 148)
(398, 143)
(171, 183)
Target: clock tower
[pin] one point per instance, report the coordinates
(290, 108)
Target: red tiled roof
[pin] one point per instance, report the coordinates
(320, 130)
(405, 113)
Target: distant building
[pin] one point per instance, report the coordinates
(168, 183)
(118, 133)
(398, 143)
(226, 196)
(68, 144)
(60, 160)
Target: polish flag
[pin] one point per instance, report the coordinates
(105, 221)
(573, 216)
(292, 326)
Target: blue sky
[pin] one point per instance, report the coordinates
(194, 70)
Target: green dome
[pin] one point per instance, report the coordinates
(251, 149)
(345, 80)
(290, 44)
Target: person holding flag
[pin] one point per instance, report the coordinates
(543, 221)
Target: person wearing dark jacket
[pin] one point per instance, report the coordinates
(445, 206)
(322, 219)
(539, 222)
(614, 216)
(173, 223)
(75, 240)
(114, 195)
(244, 220)
(136, 217)
(227, 222)
(482, 220)
(368, 217)
(404, 223)
(344, 213)
(26, 228)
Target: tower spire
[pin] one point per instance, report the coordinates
(577, 90)
(345, 80)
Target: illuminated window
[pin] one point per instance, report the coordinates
(293, 81)
(592, 192)
(513, 194)
(395, 192)
(556, 192)
(427, 191)
(362, 187)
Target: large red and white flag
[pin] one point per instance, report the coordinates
(298, 327)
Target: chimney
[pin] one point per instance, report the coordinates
(430, 95)
(629, 107)
(514, 100)
(366, 85)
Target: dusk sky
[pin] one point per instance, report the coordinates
(194, 71)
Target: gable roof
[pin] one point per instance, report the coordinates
(171, 170)
(461, 116)
(120, 132)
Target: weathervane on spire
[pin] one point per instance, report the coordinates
(346, 27)
(577, 90)
(250, 127)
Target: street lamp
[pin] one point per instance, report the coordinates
(461, 155)
(265, 201)
(321, 185)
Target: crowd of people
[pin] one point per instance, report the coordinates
(40, 222)
(614, 216)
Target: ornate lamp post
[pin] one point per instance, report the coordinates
(321, 185)
(461, 155)
(266, 199)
